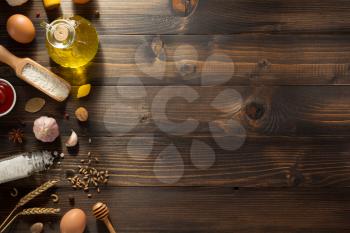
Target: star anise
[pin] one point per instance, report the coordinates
(16, 135)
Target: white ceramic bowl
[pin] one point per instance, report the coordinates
(14, 97)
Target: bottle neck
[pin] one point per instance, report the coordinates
(40, 160)
(60, 33)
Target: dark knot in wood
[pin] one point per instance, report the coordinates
(184, 7)
(255, 110)
(188, 69)
(295, 176)
(263, 64)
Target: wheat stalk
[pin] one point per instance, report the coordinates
(38, 211)
(33, 194)
(32, 211)
(30, 196)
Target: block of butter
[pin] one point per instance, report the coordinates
(51, 4)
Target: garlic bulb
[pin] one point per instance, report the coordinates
(16, 2)
(46, 129)
(72, 140)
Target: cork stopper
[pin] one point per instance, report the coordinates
(61, 33)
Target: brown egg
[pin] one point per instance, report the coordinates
(20, 28)
(74, 221)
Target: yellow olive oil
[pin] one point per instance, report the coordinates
(71, 41)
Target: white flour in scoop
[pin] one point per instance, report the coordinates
(50, 84)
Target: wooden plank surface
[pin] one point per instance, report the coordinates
(285, 110)
(301, 139)
(210, 210)
(257, 59)
(261, 162)
(209, 17)
(288, 92)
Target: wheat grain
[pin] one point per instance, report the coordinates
(33, 194)
(30, 196)
(32, 211)
(39, 211)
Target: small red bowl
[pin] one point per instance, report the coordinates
(9, 89)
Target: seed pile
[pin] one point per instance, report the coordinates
(89, 177)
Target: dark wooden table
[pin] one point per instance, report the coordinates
(291, 67)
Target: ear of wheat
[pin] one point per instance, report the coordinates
(39, 211)
(36, 192)
(30, 196)
(32, 211)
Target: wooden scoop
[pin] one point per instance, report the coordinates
(101, 212)
(36, 75)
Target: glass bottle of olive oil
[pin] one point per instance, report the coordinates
(71, 41)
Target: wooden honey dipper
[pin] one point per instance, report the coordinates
(101, 212)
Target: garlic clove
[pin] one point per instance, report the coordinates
(72, 140)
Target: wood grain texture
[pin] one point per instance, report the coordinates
(209, 17)
(301, 138)
(288, 110)
(258, 59)
(261, 162)
(291, 68)
(208, 210)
